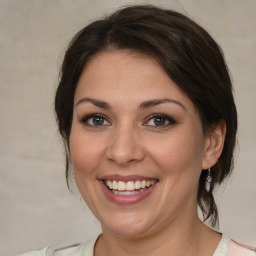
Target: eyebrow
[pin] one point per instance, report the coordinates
(155, 102)
(98, 103)
(143, 105)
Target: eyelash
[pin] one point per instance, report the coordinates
(167, 118)
(85, 120)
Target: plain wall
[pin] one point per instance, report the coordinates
(36, 207)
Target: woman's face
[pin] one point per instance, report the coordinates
(137, 144)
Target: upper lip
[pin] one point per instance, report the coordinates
(125, 178)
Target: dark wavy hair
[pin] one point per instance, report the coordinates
(187, 53)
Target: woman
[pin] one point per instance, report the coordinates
(146, 112)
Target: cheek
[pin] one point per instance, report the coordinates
(179, 158)
(85, 153)
(180, 163)
(178, 151)
(85, 158)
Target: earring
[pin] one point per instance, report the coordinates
(208, 180)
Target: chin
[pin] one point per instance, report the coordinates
(128, 226)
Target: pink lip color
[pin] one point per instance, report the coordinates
(126, 199)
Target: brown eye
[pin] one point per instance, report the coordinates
(159, 120)
(95, 120)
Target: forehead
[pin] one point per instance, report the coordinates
(122, 71)
(119, 64)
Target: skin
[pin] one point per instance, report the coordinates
(129, 141)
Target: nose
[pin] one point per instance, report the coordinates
(124, 147)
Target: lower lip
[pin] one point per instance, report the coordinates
(126, 199)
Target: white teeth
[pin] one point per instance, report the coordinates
(109, 184)
(121, 185)
(114, 185)
(129, 187)
(137, 184)
(127, 193)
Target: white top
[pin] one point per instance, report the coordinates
(226, 247)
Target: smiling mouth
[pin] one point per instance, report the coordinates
(129, 187)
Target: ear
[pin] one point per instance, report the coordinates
(214, 143)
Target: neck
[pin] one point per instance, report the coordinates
(179, 238)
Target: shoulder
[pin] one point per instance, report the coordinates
(56, 251)
(228, 247)
(85, 249)
(35, 253)
(236, 249)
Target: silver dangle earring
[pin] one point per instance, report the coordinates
(208, 180)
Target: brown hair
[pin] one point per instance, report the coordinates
(186, 52)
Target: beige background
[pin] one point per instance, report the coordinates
(36, 207)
